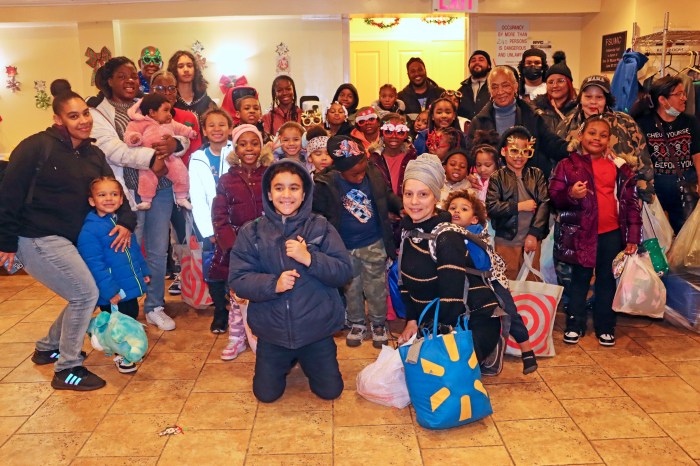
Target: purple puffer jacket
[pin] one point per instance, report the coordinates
(578, 243)
(238, 200)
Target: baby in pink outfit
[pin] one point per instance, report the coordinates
(150, 121)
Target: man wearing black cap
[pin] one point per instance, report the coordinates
(420, 91)
(475, 92)
(532, 68)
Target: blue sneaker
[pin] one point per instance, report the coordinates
(76, 378)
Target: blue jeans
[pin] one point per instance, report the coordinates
(55, 263)
(318, 360)
(152, 230)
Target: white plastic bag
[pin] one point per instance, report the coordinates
(640, 291)
(656, 224)
(383, 382)
(685, 253)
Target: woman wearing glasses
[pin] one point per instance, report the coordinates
(674, 143)
(191, 85)
(626, 139)
(560, 98)
(506, 110)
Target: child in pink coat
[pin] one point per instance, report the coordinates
(150, 121)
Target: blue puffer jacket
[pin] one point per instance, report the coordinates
(113, 271)
(310, 311)
(624, 83)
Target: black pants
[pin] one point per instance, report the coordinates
(518, 330)
(485, 332)
(604, 319)
(669, 194)
(218, 289)
(130, 307)
(318, 360)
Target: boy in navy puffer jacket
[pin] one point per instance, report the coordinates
(121, 275)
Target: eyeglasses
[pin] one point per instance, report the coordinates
(149, 60)
(452, 93)
(681, 94)
(507, 87)
(389, 129)
(560, 81)
(165, 89)
(526, 152)
(366, 119)
(311, 119)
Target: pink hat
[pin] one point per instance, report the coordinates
(240, 129)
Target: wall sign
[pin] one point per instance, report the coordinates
(511, 41)
(614, 46)
(465, 6)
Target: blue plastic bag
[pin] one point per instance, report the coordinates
(394, 292)
(443, 377)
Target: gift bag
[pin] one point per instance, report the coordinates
(684, 255)
(443, 376)
(194, 289)
(537, 304)
(383, 382)
(656, 225)
(640, 290)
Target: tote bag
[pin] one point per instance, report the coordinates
(443, 377)
(537, 304)
(195, 291)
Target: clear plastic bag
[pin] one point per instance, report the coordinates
(656, 224)
(640, 290)
(384, 382)
(685, 252)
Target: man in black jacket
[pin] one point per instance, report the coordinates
(421, 91)
(475, 92)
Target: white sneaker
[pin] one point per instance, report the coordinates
(143, 206)
(184, 203)
(160, 319)
(124, 366)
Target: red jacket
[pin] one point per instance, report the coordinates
(578, 243)
(238, 200)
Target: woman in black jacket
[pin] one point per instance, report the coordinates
(43, 202)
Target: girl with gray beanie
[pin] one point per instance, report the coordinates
(424, 279)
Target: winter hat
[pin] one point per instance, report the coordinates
(534, 52)
(597, 80)
(483, 54)
(345, 151)
(240, 129)
(314, 144)
(559, 66)
(427, 169)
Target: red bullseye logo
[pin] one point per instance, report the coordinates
(538, 313)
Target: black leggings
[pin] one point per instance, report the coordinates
(129, 307)
(486, 331)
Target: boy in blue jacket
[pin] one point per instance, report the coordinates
(289, 264)
(121, 276)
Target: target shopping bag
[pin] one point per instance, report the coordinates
(537, 304)
(195, 291)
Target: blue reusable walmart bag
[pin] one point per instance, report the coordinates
(443, 377)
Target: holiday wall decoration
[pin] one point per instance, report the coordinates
(12, 83)
(282, 61)
(41, 98)
(96, 60)
(198, 51)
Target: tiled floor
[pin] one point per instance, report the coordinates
(638, 403)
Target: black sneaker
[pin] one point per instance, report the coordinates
(493, 364)
(42, 358)
(606, 339)
(124, 366)
(571, 337)
(76, 378)
(174, 288)
(219, 325)
(379, 336)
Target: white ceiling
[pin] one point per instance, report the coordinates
(72, 2)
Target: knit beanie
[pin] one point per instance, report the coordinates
(483, 54)
(535, 52)
(240, 129)
(427, 169)
(345, 151)
(559, 66)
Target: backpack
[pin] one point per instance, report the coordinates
(45, 153)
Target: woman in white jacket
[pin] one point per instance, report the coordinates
(118, 83)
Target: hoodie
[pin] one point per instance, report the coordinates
(312, 309)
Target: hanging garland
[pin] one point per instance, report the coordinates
(381, 24)
(439, 20)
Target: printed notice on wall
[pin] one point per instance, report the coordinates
(511, 41)
(544, 45)
(613, 47)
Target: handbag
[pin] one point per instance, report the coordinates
(383, 381)
(640, 290)
(195, 291)
(537, 304)
(443, 376)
